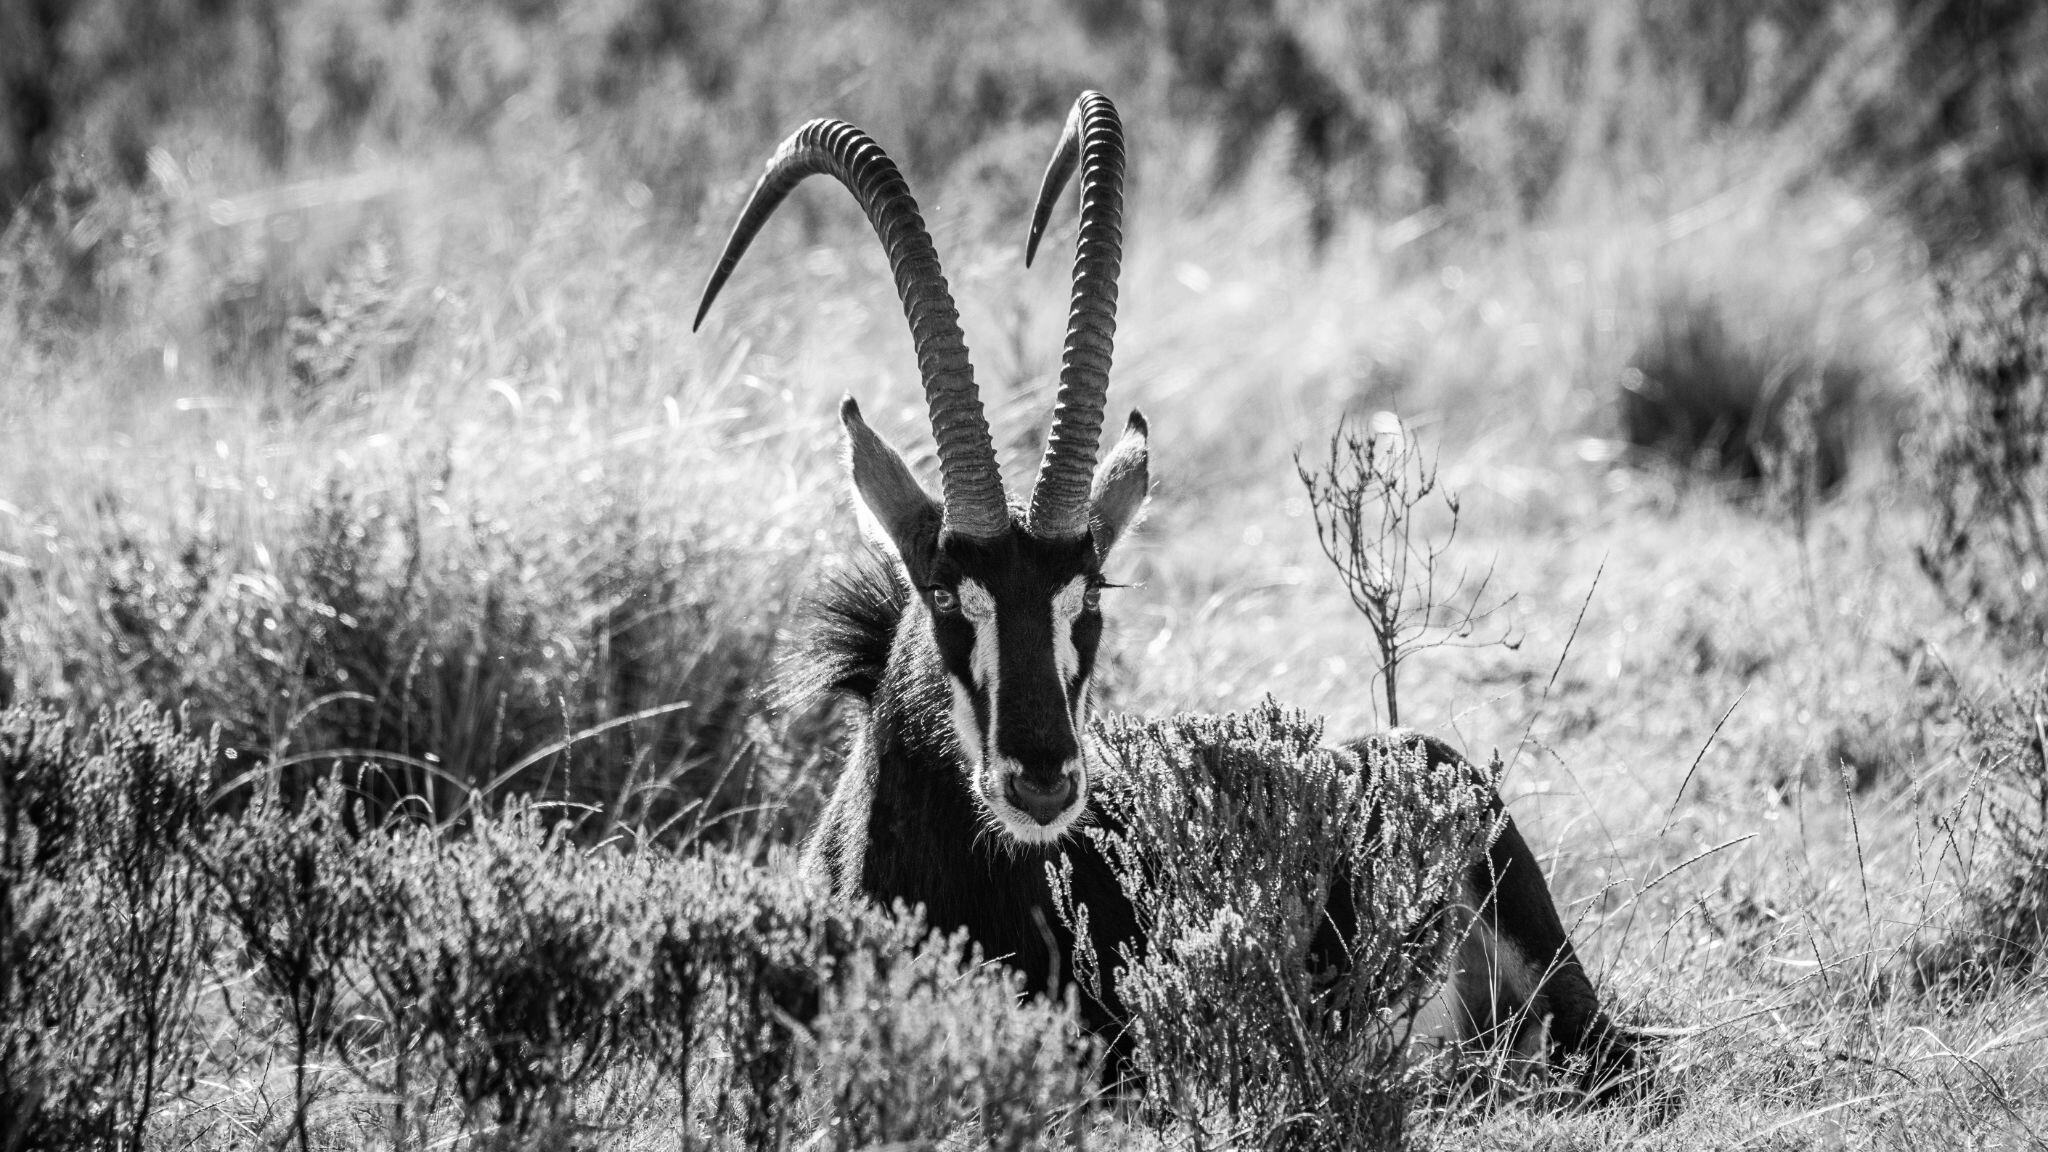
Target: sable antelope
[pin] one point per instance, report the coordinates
(972, 646)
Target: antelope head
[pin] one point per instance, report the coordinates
(1011, 598)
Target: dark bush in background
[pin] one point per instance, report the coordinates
(1474, 106)
(1966, 87)
(113, 73)
(1983, 453)
(1739, 399)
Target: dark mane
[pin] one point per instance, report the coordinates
(848, 625)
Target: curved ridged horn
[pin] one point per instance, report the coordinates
(974, 501)
(1092, 141)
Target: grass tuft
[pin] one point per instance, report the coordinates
(612, 660)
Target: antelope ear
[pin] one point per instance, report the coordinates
(1116, 502)
(896, 513)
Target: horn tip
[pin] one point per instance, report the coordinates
(704, 303)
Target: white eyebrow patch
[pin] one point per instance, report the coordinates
(980, 609)
(976, 602)
(1066, 608)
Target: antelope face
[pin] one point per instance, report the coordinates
(1015, 618)
(1016, 622)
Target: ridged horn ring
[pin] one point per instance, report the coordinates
(974, 502)
(1092, 141)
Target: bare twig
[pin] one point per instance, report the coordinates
(1368, 498)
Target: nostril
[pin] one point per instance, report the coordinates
(1041, 797)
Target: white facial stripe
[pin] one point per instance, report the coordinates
(980, 609)
(1066, 608)
(965, 728)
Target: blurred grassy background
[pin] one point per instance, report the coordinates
(349, 398)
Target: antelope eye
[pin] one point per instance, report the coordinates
(1092, 599)
(943, 600)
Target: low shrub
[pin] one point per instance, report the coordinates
(525, 989)
(2004, 930)
(277, 878)
(518, 971)
(103, 929)
(1244, 1004)
(1984, 452)
(842, 1018)
(1743, 403)
(495, 965)
(738, 958)
(912, 1047)
(494, 975)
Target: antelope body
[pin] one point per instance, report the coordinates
(971, 648)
